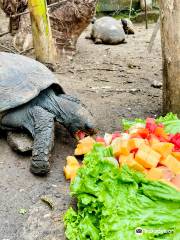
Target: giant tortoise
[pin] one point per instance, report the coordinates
(107, 30)
(32, 99)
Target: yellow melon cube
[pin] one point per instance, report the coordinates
(155, 174)
(135, 165)
(120, 146)
(147, 157)
(124, 158)
(135, 143)
(172, 163)
(164, 148)
(72, 161)
(85, 145)
(153, 140)
(129, 160)
(71, 168)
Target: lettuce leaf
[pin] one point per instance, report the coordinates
(170, 121)
(113, 203)
(126, 124)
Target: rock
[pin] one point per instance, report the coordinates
(156, 84)
(20, 142)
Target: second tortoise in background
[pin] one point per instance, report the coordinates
(108, 30)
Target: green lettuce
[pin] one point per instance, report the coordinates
(126, 123)
(113, 203)
(170, 121)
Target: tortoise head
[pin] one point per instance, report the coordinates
(75, 117)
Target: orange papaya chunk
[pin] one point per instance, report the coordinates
(71, 168)
(164, 148)
(147, 157)
(155, 173)
(135, 143)
(129, 160)
(172, 163)
(84, 146)
(72, 161)
(153, 140)
(124, 158)
(135, 165)
(176, 155)
(159, 132)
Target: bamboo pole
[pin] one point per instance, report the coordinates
(42, 36)
(170, 38)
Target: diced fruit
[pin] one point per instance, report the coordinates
(120, 146)
(176, 140)
(72, 161)
(123, 158)
(153, 139)
(164, 148)
(135, 165)
(85, 145)
(161, 134)
(129, 160)
(115, 135)
(172, 163)
(125, 136)
(147, 156)
(176, 155)
(136, 127)
(108, 138)
(71, 168)
(143, 132)
(155, 174)
(151, 124)
(135, 143)
(176, 181)
(100, 140)
(167, 173)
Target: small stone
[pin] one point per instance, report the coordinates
(134, 90)
(156, 84)
(20, 142)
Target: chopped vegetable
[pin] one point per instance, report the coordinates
(112, 203)
(70, 170)
(85, 145)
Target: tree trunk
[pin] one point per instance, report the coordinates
(41, 30)
(170, 35)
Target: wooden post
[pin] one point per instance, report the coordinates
(170, 35)
(42, 36)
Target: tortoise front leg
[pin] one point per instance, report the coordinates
(43, 140)
(40, 123)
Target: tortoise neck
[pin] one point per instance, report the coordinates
(49, 101)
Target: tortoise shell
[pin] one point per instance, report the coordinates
(22, 79)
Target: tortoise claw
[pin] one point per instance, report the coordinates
(40, 168)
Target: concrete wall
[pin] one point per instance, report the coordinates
(113, 5)
(119, 5)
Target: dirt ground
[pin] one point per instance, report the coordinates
(115, 82)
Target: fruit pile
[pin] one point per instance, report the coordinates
(145, 146)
